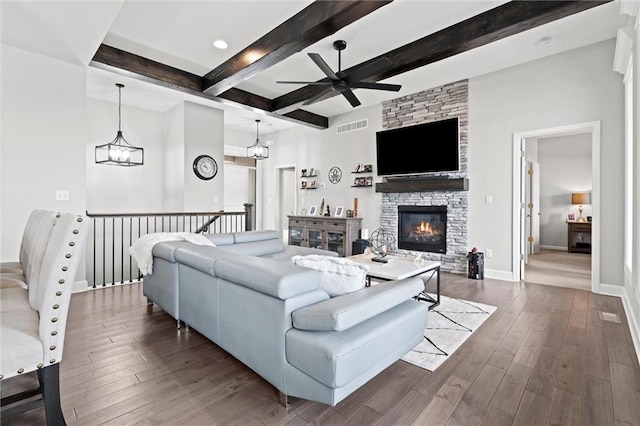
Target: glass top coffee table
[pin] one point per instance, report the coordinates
(398, 268)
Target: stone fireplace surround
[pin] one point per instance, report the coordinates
(446, 101)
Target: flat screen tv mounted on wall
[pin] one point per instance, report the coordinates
(422, 148)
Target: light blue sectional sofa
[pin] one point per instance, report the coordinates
(247, 296)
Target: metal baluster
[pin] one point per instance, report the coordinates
(94, 253)
(113, 250)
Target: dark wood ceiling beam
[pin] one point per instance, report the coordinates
(315, 22)
(495, 24)
(135, 66)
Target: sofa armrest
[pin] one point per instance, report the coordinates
(167, 249)
(200, 257)
(343, 312)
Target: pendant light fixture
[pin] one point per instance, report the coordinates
(119, 152)
(258, 151)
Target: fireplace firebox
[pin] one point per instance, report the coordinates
(422, 228)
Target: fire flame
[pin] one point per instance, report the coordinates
(425, 229)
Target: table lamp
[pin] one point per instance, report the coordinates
(580, 198)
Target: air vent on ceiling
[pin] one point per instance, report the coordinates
(351, 127)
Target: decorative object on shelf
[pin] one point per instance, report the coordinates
(335, 174)
(303, 184)
(358, 168)
(312, 185)
(382, 243)
(119, 152)
(205, 167)
(312, 172)
(580, 198)
(355, 207)
(328, 212)
(363, 168)
(349, 213)
(304, 173)
(339, 211)
(368, 168)
(321, 206)
(368, 181)
(257, 150)
(303, 212)
(313, 210)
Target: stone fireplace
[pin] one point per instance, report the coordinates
(429, 195)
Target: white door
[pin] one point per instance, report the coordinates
(286, 199)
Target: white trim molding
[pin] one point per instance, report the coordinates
(591, 127)
(624, 51)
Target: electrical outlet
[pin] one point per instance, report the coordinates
(488, 253)
(62, 195)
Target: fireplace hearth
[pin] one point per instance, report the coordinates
(422, 228)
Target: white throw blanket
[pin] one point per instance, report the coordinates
(142, 249)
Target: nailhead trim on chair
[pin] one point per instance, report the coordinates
(54, 319)
(68, 256)
(52, 361)
(21, 370)
(60, 281)
(56, 306)
(40, 365)
(53, 333)
(65, 269)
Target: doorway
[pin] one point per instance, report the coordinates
(286, 187)
(524, 190)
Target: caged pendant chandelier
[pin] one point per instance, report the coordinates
(258, 151)
(119, 152)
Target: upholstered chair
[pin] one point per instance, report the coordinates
(33, 320)
(34, 243)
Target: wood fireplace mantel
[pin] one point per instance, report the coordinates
(429, 184)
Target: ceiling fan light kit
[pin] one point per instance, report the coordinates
(340, 82)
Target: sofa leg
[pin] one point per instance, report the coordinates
(177, 323)
(149, 301)
(49, 378)
(187, 328)
(284, 399)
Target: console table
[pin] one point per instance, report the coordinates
(325, 232)
(398, 268)
(574, 243)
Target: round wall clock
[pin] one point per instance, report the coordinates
(335, 174)
(205, 167)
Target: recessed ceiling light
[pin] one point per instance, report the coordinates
(220, 44)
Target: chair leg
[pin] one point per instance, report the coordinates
(49, 378)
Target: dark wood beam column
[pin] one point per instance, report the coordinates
(495, 24)
(135, 66)
(317, 21)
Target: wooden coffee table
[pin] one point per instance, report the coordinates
(398, 268)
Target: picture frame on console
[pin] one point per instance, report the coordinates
(571, 217)
(339, 211)
(313, 210)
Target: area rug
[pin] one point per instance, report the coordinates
(450, 324)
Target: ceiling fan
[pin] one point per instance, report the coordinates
(342, 82)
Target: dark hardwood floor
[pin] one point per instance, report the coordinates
(544, 357)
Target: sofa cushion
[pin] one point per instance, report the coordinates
(341, 313)
(250, 236)
(337, 358)
(277, 279)
(220, 239)
(339, 275)
(257, 248)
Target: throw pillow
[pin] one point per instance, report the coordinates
(339, 274)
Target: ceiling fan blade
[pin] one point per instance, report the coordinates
(377, 86)
(323, 66)
(351, 97)
(310, 83)
(326, 93)
(368, 70)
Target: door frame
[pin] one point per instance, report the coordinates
(278, 197)
(517, 255)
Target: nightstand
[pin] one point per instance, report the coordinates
(579, 237)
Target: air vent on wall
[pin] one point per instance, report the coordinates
(350, 127)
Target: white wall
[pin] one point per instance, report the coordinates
(113, 189)
(322, 149)
(44, 132)
(173, 160)
(203, 134)
(565, 167)
(574, 87)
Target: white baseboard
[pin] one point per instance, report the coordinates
(499, 275)
(80, 286)
(554, 248)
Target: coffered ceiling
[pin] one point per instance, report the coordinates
(163, 50)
